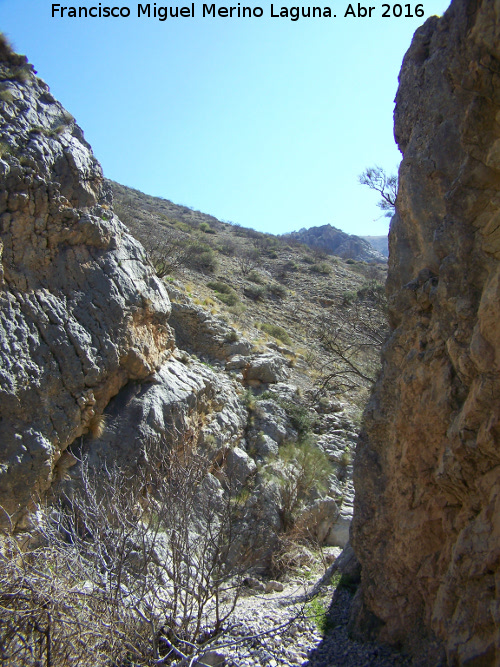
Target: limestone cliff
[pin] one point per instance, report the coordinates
(336, 242)
(426, 523)
(81, 310)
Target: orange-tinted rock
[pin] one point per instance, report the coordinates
(427, 512)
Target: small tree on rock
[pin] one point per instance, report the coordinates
(386, 185)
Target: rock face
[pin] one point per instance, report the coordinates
(336, 242)
(81, 310)
(380, 243)
(427, 510)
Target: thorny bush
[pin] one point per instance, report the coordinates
(126, 569)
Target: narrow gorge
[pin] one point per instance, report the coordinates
(130, 325)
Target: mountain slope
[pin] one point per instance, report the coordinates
(336, 242)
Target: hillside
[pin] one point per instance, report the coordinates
(380, 243)
(334, 241)
(270, 288)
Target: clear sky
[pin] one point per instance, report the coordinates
(266, 122)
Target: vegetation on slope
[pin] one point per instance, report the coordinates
(325, 312)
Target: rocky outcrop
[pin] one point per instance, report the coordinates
(426, 522)
(336, 242)
(197, 331)
(182, 396)
(380, 243)
(81, 310)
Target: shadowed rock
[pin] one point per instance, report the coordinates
(427, 475)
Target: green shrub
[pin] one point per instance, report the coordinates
(255, 292)
(220, 286)
(5, 149)
(225, 293)
(231, 299)
(323, 268)
(6, 95)
(232, 336)
(182, 226)
(248, 399)
(348, 297)
(256, 277)
(300, 417)
(228, 248)
(205, 227)
(22, 73)
(276, 332)
(317, 612)
(306, 469)
(237, 309)
(345, 459)
(290, 265)
(372, 290)
(277, 290)
(201, 257)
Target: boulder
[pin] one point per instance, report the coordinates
(274, 586)
(267, 368)
(317, 521)
(239, 467)
(205, 335)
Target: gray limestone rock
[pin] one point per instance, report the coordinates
(318, 520)
(81, 310)
(267, 368)
(239, 467)
(271, 420)
(207, 336)
(161, 408)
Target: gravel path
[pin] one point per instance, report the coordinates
(283, 633)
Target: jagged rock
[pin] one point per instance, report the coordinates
(207, 336)
(265, 446)
(81, 310)
(336, 242)
(427, 471)
(237, 362)
(267, 368)
(239, 467)
(160, 407)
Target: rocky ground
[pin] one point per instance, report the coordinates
(282, 628)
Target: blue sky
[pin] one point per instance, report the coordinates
(266, 122)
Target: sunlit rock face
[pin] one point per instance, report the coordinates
(81, 310)
(427, 512)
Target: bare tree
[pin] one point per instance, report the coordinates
(126, 567)
(167, 255)
(386, 185)
(353, 334)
